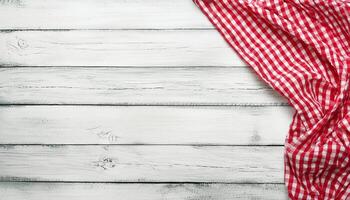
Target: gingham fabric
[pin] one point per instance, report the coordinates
(301, 49)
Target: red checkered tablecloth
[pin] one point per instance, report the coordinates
(301, 49)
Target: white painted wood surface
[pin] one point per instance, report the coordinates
(116, 48)
(203, 125)
(174, 86)
(142, 163)
(101, 14)
(196, 114)
(89, 191)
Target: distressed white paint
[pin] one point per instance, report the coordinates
(145, 163)
(174, 86)
(133, 35)
(144, 125)
(101, 14)
(116, 48)
(89, 191)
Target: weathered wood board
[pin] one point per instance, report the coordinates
(142, 163)
(116, 48)
(93, 191)
(129, 86)
(213, 125)
(101, 14)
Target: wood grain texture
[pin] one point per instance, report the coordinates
(144, 125)
(89, 191)
(116, 48)
(142, 163)
(129, 86)
(131, 52)
(101, 14)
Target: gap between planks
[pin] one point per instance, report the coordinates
(157, 104)
(25, 180)
(108, 29)
(4, 145)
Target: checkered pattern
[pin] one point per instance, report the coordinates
(301, 49)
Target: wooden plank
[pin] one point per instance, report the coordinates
(116, 48)
(144, 125)
(142, 163)
(101, 14)
(128, 86)
(93, 191)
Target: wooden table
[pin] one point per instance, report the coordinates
(131, 99)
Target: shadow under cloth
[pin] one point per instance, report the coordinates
(301, 49)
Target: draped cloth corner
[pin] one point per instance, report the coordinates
(301, 49)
